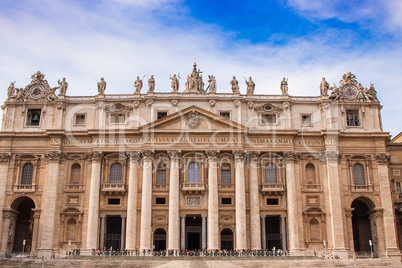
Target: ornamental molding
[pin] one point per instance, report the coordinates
(160, 217)
(5, 157)
(193, 119)
(55, 156)
(254, 156)
(291, 156)
(226, 217)
(118, 108)
(239, 154)
(382, 158)
(95, 156)
(332, 156)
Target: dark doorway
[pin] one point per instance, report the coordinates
(226, 239)
(361, 228)
(113, 232)
(193, 232)
(273, 232)
(160, 239)
(24, 225)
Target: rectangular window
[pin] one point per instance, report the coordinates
(160, 201)
(394, 158)
(33, 117)
(269, 118)
(113, 201)
(162, 115)
(117, 118)
(398, 187)
(272, 201)
(80, 119)
(226, 201)
(225, 176)
(306, 120)
(225, 115)
(352, 117)
(397, 172)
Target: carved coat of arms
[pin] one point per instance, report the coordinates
(193, 120)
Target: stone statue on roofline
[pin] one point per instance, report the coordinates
(235, 85)
(101, 86)
(324, 86)
(250, 86)
(11, 90)
(212, 84)
(174, 83)
(284, 86)
(63, 86)
(194, 81)
(151, 84)
(138, 85)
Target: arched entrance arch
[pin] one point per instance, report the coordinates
(364, 227)
(160, 239)
(22, 225)
(226, 239)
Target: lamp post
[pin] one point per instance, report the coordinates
(23, 246)
(371, 248)
(325, 247)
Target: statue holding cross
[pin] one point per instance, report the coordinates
(194, 82)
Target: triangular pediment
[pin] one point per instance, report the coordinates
(193, 119)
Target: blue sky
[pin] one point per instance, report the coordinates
(303, 40)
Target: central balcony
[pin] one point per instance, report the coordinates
(272, 188)
(113, 188)
(193, 188)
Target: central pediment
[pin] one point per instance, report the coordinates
(193, 119)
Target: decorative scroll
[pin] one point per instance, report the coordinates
(55, 156)
(382, 158)
(134, 156)
(5, 157)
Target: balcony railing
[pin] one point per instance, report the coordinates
(311, 187)
(74, 188)
(362, 188)
(114, 188)
(193, 188)
(272, 188)
(24, 188)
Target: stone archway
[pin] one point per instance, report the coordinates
(226, 239)
(364, 228)
(22, 226)
(160, 239)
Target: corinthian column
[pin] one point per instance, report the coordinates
(336, 210)
(4, 161)
(49, 202)
(255, 225)
(174, 198)
(131, 235)
(241, 231)
(386, 200)
(291, 197)
(93, 208)
(146, 204)
(213, 212)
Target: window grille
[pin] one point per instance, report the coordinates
(270, 173)
(27, 172)
(116, 171)
(225, 174)
(193, 172)
(358, 174)
(353, 118)
(161, 176)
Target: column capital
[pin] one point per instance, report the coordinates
(204, 216)
(147, 154)
(263, 216)
(291, 156)
(174, 154)
(254, 156)
(183, 215)
(382, 158)
(94, 156)
(239, 154)
(332, 156)
(5, 157)
(134, 156)
(212, 154)
(55, 156)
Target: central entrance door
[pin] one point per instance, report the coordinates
(273, 232)
(113, 232)
(160, 239)
(226, 239)
(193, 232)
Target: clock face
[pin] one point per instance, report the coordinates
(350, 91)
(36, 91)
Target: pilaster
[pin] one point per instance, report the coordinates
(131, 234)
(213, 211)
(241, 234)
(174, 199)
(255, 226)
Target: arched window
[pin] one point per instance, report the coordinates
(71, 230)
(270, 173)
(116, 172)
(27, 172)
(75, 174)
(310, 174)
(161, 174)
(225, 173)
(358, 174)
(315, 234)
(193, 172)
